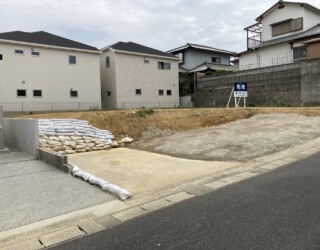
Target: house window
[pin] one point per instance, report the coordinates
(108, 93)
(73, 93)
(138, 92)
(164, 65)
(107, 62)
(37, 93)
(18, 51)
(146, 61)
(287, 26)
(215, 59)
(169, 92)
(72, 59)
(299, 52)
(161, 92)
(1, 57)
(35, 53)
(21, 93)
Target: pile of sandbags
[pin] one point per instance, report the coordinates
(72, 127)
(69, 136)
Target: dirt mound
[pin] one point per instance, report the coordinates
(140, 125)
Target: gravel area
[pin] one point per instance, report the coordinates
(241, 140)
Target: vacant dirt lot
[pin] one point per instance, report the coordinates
(167, 122)
(241, 140)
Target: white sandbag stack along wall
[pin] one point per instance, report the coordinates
(69, 136)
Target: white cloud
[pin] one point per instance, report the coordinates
(160, 24)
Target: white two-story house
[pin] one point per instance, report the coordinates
(42, 71)
(279, 35)
(136, 76)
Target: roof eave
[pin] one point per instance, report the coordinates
(147, 55)
(4, 41)
(259, 18)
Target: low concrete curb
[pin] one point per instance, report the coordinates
(53, 159)
(110, 214)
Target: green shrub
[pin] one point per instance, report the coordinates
(144, 112)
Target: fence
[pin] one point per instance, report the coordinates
(48, 106)
(135, 105)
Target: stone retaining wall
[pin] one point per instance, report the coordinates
(270, 86)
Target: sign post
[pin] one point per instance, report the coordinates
(240, 90)
(1, 129)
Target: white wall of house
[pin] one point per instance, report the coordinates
(310, 19)
(51, 73)
(267, 56)
(131, 73)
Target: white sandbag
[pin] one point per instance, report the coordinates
(120, 192)
(114, 189)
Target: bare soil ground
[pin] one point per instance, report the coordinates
(165, 122)
(241, 140)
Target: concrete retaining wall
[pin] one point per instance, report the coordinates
(21, 134)
(1, 129)
(270, 86)
(310, 82)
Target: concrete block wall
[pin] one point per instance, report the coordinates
(310, 82)
(270, 86)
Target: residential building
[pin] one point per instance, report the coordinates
(200, 58)
(42, 71)
(135, 76)
(279, 34)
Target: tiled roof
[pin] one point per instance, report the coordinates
(138, 48)
(44, 38)
(308, 33)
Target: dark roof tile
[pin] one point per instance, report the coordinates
(138, 48)
(44, 38)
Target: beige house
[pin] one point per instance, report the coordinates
(42, 71)
(135, 76)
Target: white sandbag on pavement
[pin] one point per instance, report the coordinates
(114, 189)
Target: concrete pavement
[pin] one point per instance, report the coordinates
(142, 172)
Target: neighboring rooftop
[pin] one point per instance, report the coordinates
(201, 47)
(138, 48)
(281, 3)
(44, 38)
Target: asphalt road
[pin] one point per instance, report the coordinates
(278, 210)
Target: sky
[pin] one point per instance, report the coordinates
(160, 24)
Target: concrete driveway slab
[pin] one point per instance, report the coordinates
(142, 172)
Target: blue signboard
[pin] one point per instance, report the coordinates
(240, 89)
(240, 86)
